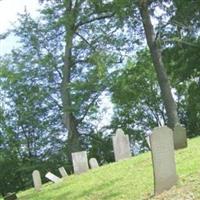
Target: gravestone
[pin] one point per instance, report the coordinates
(180, 137)
(164, 167)
(93, 163)
(121, 145)
(10, 196)
(62, 172)
(37, 180)
(80, 162)
(53, 177)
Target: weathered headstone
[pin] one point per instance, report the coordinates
(62, 172)
(80, 162)
(10, 196)
(164, 167)
(121, 145)
(37, 180)
(53, 177)
(180, 137)
(93, 163)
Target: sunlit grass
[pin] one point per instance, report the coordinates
(130, 179)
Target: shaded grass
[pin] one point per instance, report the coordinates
(130, 179)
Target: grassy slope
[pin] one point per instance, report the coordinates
(126, 180)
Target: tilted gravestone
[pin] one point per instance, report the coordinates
(121, 145)
(80, 162)
(163, 158)
(53, 177)
(62, 172)
(93, 163)
(180, 137)
(10, 196)
(37, 180)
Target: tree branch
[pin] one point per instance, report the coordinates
(85, 40)
(81, 23)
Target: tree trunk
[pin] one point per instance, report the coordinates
(170, 105)
(70, 121)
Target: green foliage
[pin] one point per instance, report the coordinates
(182, 59)
(104, 34)
(135, 94)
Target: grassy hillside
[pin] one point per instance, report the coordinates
(126, 180)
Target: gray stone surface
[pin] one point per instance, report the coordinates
(121, 145)
(10, 196)
(62, 172)
(37, 182)
(180, 137)
(93, 163)
(164, 167)
(53, 177)
(80, 162)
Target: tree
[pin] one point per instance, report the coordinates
(181, 55)
(170, 105)
(29, 129)
(82, 58)
(138, 107)
(71, 59)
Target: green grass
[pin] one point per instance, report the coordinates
(130, 179)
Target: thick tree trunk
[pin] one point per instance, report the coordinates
(170, 105)
(70, 121)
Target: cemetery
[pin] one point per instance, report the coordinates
(131, 178)
(99, 100)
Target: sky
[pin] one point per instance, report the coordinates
(10, 8)
(8, 15)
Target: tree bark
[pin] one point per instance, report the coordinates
(164, 83)
(69, 119)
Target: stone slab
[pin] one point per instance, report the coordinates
(121, 145)
(53, 177)
(163, 158)
(80, 162)
(63, 172)
(180, 137)
(93, 163)
(37, 182)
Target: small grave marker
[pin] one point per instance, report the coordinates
(37, 180)
(180, 137)
(80, 162)
(121, 145)
(53, 177)
(62, 172)
(93, 163)
(164, 167)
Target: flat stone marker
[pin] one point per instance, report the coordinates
(80, 162)
(121, 145)
(93, 163)
(62, 172)
(180, 137)
(37, 182)
(164, 167)
(53, 177)
(10, 196)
